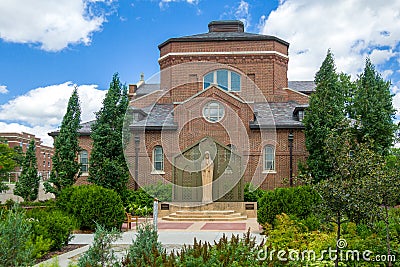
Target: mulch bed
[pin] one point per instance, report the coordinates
(52, 254)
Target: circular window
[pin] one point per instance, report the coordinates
(213, 111)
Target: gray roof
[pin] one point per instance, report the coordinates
(145, 89)
(223, 36)
(86, 129)
(159, 116)
(306, 87)
(281, 112)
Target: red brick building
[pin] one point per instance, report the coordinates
(226, 87)
(43, 153)
(225, 91)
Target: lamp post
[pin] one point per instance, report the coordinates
(290, 139)
(136, 178)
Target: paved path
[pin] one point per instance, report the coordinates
(10, 195)
(173, 235)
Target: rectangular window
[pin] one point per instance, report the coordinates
(269, 158)
(301, 115)
(158, 158)
(84, 161)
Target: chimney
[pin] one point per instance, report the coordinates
(226, 26)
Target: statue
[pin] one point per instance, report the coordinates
(207, 169)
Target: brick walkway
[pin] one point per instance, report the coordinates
(237, 226)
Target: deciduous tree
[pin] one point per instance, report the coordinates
(351, 165)
(7, 163)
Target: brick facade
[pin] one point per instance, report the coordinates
(44, 153)
(172, 116)
(183, 64)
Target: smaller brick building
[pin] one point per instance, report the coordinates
(44, 153)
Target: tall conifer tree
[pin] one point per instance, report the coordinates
(373, 109)
(107, 162)
(27, 186)
(326, 111)
(66, 148)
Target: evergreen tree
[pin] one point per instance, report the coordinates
(107, 162)
(325, 112)
(27, 186)
(373, 109)
(66, 148)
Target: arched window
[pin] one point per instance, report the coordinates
(158, 158)
(226, 79)
(84, 161)
(269, 158)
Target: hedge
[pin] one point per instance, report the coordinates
(298, 201)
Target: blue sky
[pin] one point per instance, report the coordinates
(83, 42)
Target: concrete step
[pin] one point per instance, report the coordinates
(205, 215)
(176, 219)
(204, 212)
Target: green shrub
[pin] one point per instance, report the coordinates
(53, 225)
(252, 194)
(15, 248)
(100, 253)
(91, 204)
(163, 192)
(133, 200)
(298, 201)
(145, 249)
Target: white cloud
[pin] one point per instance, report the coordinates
(242, 13)
(53, 25)
(41, 110)
(386, 73)
(164, 3)
(3, 89)
(239, 12)
(38, 131)
(396, 103)
(352, 29)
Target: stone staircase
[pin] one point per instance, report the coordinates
(205, 215)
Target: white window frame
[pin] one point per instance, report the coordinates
(265, 159)
(206, 111)
(154, 170)
(215, 80)
(84, 164)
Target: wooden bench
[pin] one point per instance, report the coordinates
(130, 219)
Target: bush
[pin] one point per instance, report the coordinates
(91, 204)
(53, 225)
(145, 249)
(100, 253)
(15, 248)
(138, 202)
(251, 194)
(298, 201)
(163, 192)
